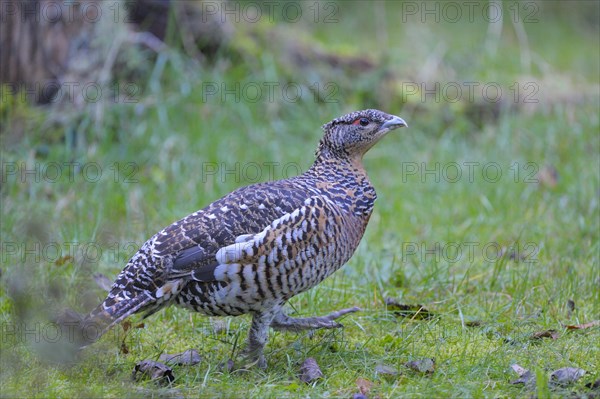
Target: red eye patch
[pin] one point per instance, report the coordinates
(361, 122)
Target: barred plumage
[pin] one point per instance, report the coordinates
(254, 249)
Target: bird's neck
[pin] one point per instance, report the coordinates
(345, 176)
(328, 156)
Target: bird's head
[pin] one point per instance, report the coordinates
(353, 134)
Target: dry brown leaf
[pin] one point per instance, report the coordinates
(384, 369)
(63, 259)
(127, 325)
(425, 365)
(566, 375)
(570, 308)
(545, 334)
(310, 371)
(124, 349)
(593, 385)
(364, 385)
(525, 376)
(548, 176)
(188, 358)
(584, 325)
(518, 369)
(154, 370)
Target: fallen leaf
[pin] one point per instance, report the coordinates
(310, 371)
(385, 370)
(413, 311)
(425, 365)
(154, 370)
(127, 325)
(518, 369)
(62, 260)
(548, 176)
(102, 281)
(525, 376)
(570, 308)
(188, 358)
(364, 385)
(124, 349)
(593, 385)
(584, 326)
(566, 375)
(545, 334)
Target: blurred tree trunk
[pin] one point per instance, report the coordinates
(47, 44)
(37, 37)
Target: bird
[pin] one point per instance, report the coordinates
(258, 246)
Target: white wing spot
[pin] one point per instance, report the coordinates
(229, 253)
(244, 238)
(221, 272)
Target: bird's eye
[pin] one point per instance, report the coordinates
(361, 121)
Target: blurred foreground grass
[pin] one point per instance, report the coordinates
(487, 213)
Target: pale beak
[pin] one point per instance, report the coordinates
(394, 123)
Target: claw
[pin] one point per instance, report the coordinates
(340, 313)
(284, 322)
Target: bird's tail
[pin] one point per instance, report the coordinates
(109, 313)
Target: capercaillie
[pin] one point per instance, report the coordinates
(255, 248)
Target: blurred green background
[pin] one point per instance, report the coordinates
(502, 156)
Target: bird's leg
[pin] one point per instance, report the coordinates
(257, 338)
(281, 321)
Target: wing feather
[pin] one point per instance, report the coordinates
(193, 242)
(296, 229)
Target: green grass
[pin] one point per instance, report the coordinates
(166, 145)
